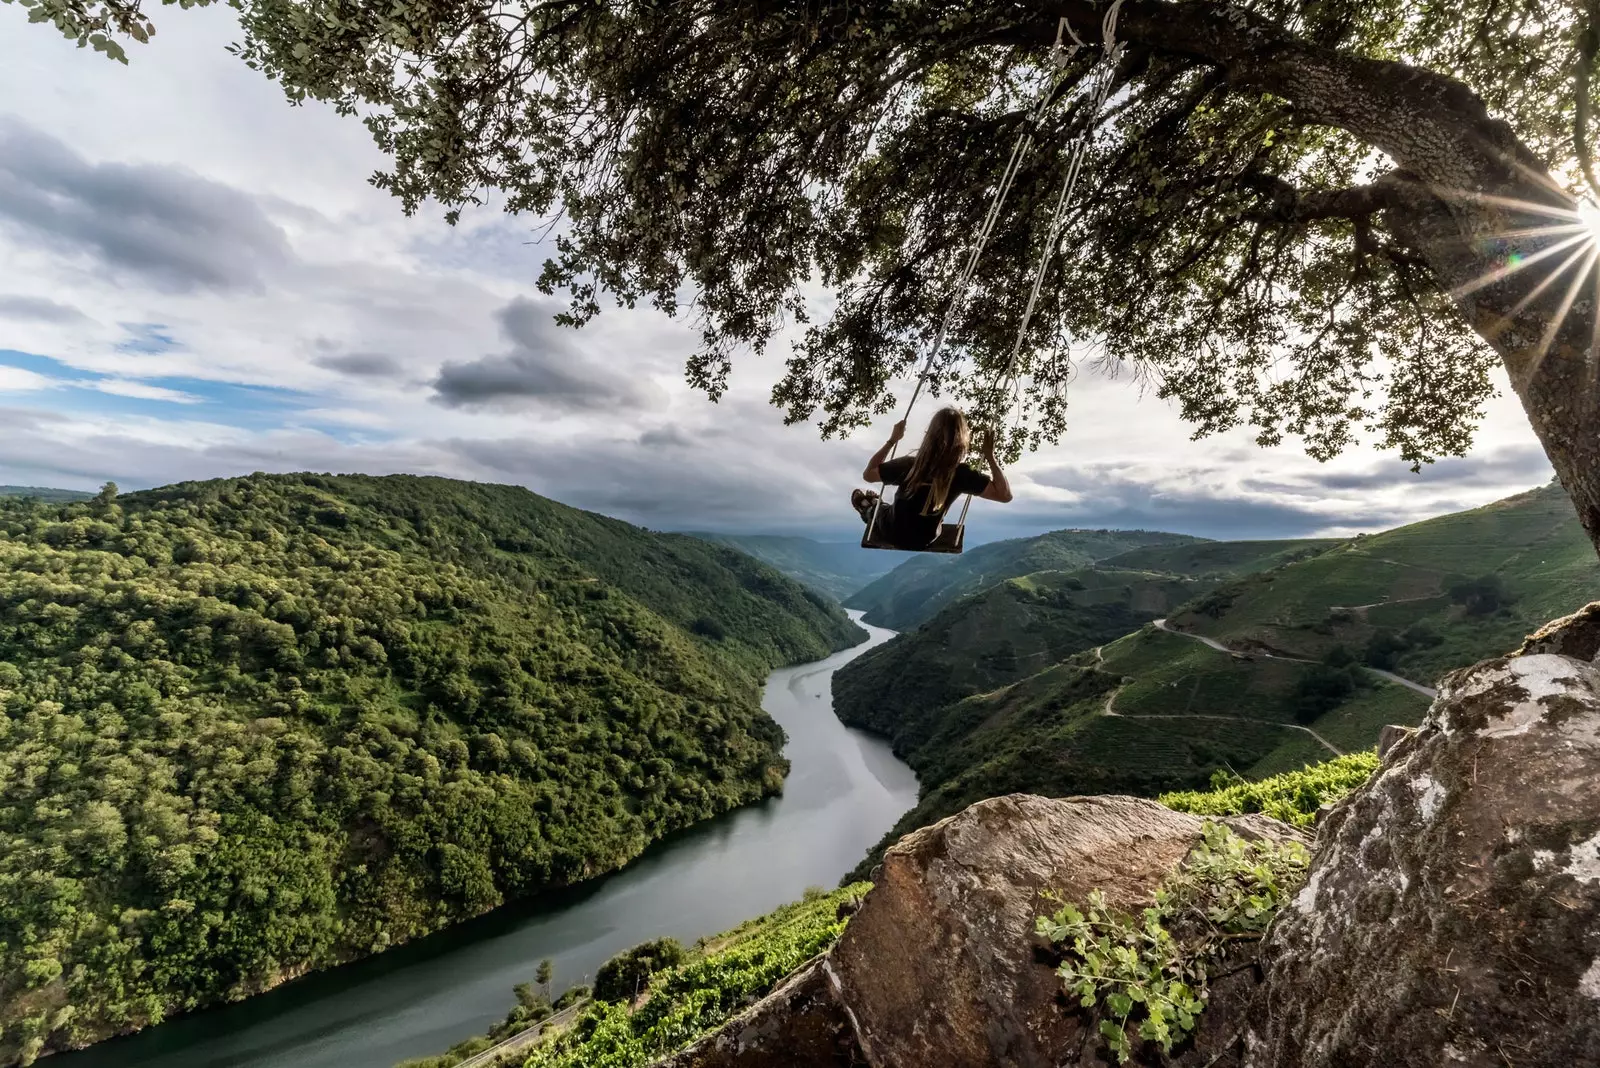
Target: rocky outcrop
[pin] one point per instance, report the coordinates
(939, 967)
(1390, 736)
(1577, 636)
(1452, 915)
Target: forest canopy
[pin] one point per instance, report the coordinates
(255, 727)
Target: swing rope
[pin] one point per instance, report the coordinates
(1100, 90)
(1105, 73)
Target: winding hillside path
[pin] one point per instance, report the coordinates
(1426, 691)
(1111, 698)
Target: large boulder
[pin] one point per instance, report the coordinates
(1452, 915)
(940, 966)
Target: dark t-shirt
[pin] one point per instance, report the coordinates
(909, 527)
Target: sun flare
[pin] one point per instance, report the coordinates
(1589, 217)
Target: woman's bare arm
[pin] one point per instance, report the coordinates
(872, 473)
(998, 489)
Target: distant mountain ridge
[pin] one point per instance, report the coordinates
(913, 592)
(836, 568)
(45, 493)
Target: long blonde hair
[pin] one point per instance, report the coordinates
(943, 448)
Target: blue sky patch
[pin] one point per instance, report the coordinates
(90, 392)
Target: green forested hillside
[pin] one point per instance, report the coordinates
(1220, 559)
(1418, 600)
(1445, 589)
(259, 726)
(918, 588)
(1011, 630)
(837, 569)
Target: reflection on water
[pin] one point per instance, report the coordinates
(845, 789)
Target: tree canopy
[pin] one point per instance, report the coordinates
(1295, 214)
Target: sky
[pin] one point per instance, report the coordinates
(198, 281)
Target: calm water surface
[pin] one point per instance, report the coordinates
(845, 789)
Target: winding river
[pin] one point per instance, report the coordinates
(845, 789)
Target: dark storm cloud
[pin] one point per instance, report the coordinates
(161, 225)
(665, 437)
(1110, 496)
(37, 309)
(640, 485)
(361, 364)
(743, 473)
(1512, 465)
(544, 368)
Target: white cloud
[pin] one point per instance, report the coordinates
(17, 380)
(121, 387)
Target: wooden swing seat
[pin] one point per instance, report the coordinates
(948, 541)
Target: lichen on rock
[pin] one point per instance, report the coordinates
(1452, 915)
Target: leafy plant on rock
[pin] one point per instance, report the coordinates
(1146, 974)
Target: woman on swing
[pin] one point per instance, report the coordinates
(928, 481)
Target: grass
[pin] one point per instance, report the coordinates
(1175, 676)
(1219, 559)
(1355, 723)
(1297, 750)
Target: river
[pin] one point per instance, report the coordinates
(845, 789)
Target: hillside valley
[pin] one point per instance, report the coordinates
(259, 726)
(986, 640)
(1025, 687)
(835, 568)
(925, 583)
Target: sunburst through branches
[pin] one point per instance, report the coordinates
(1552, 249)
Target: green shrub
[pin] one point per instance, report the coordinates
(1384, 649)
(1323, 688)
(572, 995)
(707, 627)
(1292, 797)
(1483, 595)
(624, 977)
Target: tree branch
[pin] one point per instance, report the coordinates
(1431, 124)
(1290, 205)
